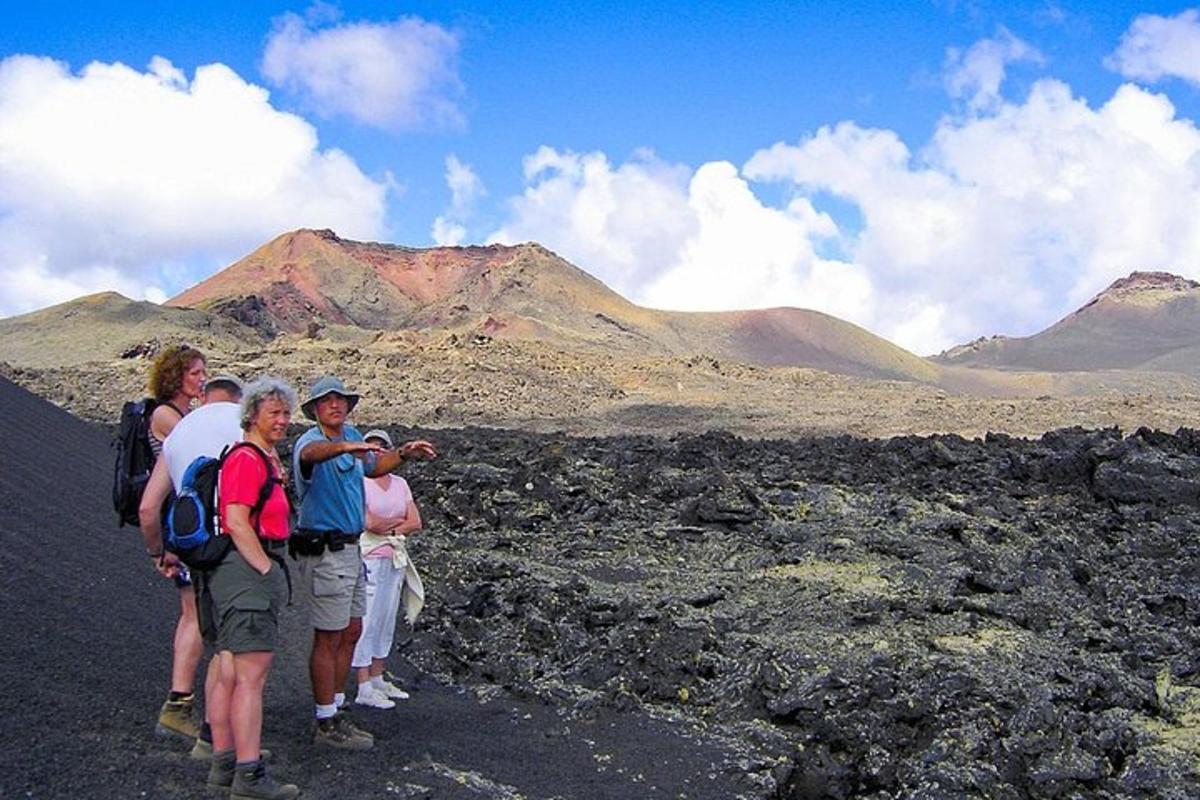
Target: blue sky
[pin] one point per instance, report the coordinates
(932, 170)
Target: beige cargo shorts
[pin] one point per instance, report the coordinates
(336, 587)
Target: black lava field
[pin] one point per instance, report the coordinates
(916, 618)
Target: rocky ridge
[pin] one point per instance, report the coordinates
(452, 380)
(1144, 286)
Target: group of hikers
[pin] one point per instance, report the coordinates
(346, 541)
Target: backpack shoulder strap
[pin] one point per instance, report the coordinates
(147, 406)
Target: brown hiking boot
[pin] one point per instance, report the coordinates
(253, 783)
(348, 721)
(337, 732)
(178, 718)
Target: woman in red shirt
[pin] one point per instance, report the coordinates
(248, 589)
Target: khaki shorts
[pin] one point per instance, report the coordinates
(238, 608)
(335, 586)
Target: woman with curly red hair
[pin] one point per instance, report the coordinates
(176, 379)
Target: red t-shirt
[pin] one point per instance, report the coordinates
(242, 478)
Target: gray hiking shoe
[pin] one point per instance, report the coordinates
(253, 783)
(221, 768)
(178, 718)
(336, 732)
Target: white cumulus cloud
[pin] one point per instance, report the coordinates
(1010, 219)
(621, 223)
(449, 228)
(977, 73)
(143, 182)
(1157, 47)
(744, 254)
(397, 75)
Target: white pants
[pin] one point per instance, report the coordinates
(384, 581)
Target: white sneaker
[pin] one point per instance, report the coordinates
(370, 696)
(389, 689)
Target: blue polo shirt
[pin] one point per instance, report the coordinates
(331, 498)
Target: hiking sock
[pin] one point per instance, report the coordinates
(370, 684)
(248, 765)
(325, 712)
(339, 699)
(377, 682)
(175, 697)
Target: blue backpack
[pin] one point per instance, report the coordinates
(191, 524)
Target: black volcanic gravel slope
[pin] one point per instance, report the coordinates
(85, 626)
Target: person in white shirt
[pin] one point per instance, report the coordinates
(205, 431)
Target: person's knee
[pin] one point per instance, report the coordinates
(326, 641)
(225, 666)
(251, 668)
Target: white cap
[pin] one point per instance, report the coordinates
(379, 434)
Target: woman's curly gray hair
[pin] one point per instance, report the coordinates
(268, 387)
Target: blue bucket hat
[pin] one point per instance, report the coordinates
(324, 386)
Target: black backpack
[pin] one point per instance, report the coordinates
(191, 523)
(135, 459)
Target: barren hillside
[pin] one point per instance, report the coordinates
(1149, 321)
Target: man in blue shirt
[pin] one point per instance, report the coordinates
(329, 463)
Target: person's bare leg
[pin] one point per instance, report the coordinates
(189, 647)
(322, 665)
(345, 652)
(250, 673)
(376, 668)
(211, 676)
(220, 700)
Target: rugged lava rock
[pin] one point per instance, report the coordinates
(919, 617)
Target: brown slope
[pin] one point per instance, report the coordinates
(523, 291)
(1148, 321)
(789, 337)
(106, 326)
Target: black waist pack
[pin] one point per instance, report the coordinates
(305, 542)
